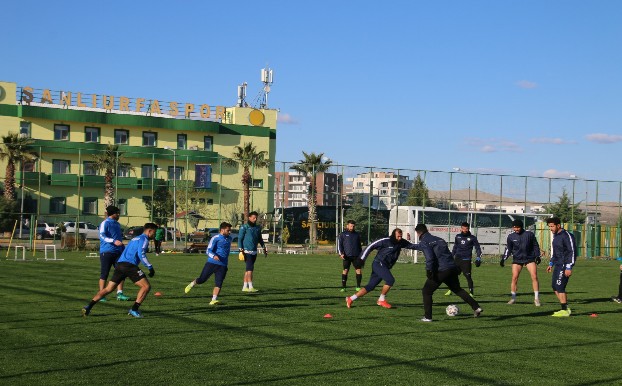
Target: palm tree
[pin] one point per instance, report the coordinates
(248, 157)
(108, 162)
(310, 166)
(14, 150)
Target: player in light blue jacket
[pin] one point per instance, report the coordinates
(110, 248)
(127, 267)
(217, 260)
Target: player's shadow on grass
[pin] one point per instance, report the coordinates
(592, 300)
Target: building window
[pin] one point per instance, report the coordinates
(57, 205)
(149, 138)
(182, 141)
(210, 201)
(258, 184)
(122, 205)
(208, 143)
(61, 132)
(121, 137)
(148, 171)
(91, 134)
(29, 166)
(60, 166)
(174, 173)
(90, 205)
(89, 168)
(124, 170)
(24, 129)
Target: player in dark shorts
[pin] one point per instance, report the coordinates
(127, 267)
(440, 268)
(524, 248)
(110, 249)
(463, 253)
(217, 260)
(563, 257)
(349, 249)
(389, 249)
(618, 298)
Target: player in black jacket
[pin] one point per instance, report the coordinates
(524, 248)
(463, 253)
(389, 249)
(563, 256)
(440, 268)
(349, 249)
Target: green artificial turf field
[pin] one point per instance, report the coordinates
(280, 336)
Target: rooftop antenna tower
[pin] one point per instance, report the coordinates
(266, 78)
(242, 95)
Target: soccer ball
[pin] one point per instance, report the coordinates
(452, 310)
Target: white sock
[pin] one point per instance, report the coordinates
(214, 297)
(245, 285)
(250, 284)
(513, 295)
(381, 298)
(119, 291)
(536, 294)
(353, 297)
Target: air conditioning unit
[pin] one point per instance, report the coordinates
(23, 135)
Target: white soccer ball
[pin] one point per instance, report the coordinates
(452, 310)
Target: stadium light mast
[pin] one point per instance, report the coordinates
(174, 195)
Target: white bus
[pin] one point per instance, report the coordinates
(491, 228)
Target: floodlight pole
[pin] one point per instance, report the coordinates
(174, 195)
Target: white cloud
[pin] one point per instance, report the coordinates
(553, 141)
(554, 173)
(492, 145)
(603, 138)
(526, 84)
(286, 119)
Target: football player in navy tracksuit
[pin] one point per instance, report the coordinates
(127, 267)
(618, 298)
(440, 268)
(217, 260)
(463, 253)
(524, 248)
(389, 249)
(349, 249)
(563, 256)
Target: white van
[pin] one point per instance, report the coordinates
(491, 228)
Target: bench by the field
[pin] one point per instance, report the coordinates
(196, 248)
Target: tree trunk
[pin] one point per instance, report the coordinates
(9, 182)
(108, 189)
(246, 177)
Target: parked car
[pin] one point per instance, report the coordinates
(40, 233)
(91, 231)
(202, 235)
(132, 232)
(51, 229)
(169, 234)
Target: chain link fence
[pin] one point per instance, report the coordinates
(188, 193)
